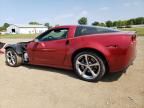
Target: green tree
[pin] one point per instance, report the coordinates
(1, 28)
(130, 22)
(119, 24)
(34, 23)
(6, 25)
(115, 23)
(102, 24)
(47, 25)
(139, 20)
(82, 21)
(109, 23)
(124, 23)
(96, 23)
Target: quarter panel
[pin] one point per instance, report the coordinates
(113, 46)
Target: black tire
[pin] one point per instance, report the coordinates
(17, 58)
(101, 68)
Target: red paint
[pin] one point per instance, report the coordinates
(1, 52)
(118, 48)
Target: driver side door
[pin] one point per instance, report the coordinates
(50, 48)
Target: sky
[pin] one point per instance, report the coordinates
(65, 12)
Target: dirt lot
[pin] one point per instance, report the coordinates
(43, 87)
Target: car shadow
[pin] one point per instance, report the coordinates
(109, 77)
(69, 73)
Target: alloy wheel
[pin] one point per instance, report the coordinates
(11, 59)
(88, 66)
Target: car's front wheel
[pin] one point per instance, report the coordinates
(89, 66)
(12, 58)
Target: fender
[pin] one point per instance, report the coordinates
(16, 47)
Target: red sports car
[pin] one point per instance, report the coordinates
(90, 51)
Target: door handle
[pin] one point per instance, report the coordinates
(67, 42)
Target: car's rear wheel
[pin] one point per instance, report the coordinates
(89, 66)
(12, 58)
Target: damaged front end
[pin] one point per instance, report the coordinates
(20, 49)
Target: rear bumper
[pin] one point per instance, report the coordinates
(120, 59)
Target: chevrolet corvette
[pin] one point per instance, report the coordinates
(90, 51)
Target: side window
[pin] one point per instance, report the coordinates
(84, 30)
(56, 34)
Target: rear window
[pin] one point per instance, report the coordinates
(85, 30)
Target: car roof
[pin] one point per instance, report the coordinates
(65, 26)
(62, 26)
(75, 26)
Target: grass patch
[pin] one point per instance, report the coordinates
(16, 36)
(140, 31)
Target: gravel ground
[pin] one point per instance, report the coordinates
(44, 87)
